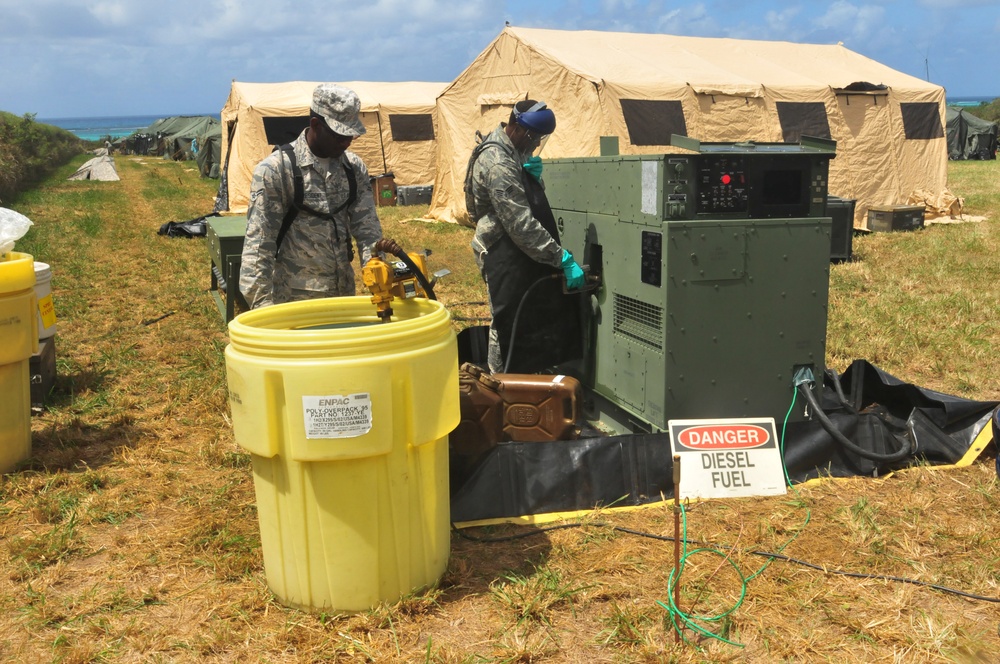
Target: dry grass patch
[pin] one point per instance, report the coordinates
(132, 535)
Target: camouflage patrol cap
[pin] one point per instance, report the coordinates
(339, 106)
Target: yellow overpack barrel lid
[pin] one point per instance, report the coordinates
(17, 272)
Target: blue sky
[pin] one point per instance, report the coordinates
(61, 58)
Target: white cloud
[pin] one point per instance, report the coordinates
(665, 22)
(837, 15)
(115, 14)
(783, 22)
(857, 23)
(957, 4)
(611, 6)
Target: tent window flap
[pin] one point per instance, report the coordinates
(411, 127)
(281, 130)
(800, 119)
(652, 122)
(921, 120)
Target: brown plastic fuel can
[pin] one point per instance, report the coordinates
(510, 407)
(540, 408)
(519, 407)
(481, 425)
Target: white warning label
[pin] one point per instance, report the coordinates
(337, 416)
(650, 177)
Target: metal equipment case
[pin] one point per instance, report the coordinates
(841, 213)
(896, 218)
(715, 271)
(415, 194)
(225, 248)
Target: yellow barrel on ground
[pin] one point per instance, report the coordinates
(347, 422)
(18, 342)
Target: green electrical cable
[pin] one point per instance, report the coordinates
(788, 482)
(690, 621)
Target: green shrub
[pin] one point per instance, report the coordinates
(29, 151)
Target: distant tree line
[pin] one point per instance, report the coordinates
(29, 151)
(986, 111)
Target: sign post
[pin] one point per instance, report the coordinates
(677, 543)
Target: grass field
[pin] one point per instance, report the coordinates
(131, 535)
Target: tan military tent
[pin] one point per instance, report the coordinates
(889, 126)
(398, 117)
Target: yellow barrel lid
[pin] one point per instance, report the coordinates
(17, 272)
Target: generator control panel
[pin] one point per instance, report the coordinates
(747, 180)
(722, 185)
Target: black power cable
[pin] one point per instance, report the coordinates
(765, 554)
(900, 454)
(835, 379)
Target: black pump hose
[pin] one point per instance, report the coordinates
(426, 285)
(844, 441)
(517, 315)
(835, 379)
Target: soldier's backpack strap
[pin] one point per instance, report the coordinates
(470, 199)
(352, 195)
(298, 198)
(298, 194)
(352, 183)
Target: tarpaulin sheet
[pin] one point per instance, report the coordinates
(880, 414)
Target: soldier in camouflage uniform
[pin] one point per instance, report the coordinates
(517, 242)
(314, 259)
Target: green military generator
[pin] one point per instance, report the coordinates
(714, 265)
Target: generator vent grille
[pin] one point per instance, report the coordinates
(639, 321)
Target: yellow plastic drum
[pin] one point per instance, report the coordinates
(347, 421)
(18, 341)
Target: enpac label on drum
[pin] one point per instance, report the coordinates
(728, 458)
(337, 415)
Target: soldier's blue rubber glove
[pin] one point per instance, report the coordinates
(534, 167)
(572, 271)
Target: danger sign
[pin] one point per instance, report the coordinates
(727, 458)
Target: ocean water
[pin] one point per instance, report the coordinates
(969, 101)
(94, 129)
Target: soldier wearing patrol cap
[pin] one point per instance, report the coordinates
(307, 201)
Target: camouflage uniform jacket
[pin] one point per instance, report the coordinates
(501, 206)
(314, 260)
